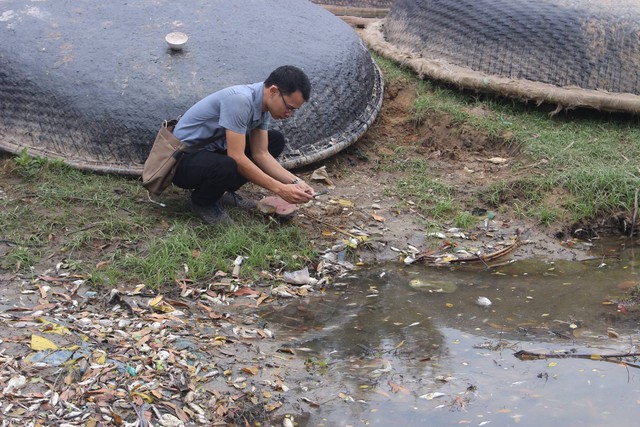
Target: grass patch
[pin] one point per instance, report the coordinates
(427, 194)
(196, 252)
(465, 220)
(390, 70)
(590, 155)
(53, 214)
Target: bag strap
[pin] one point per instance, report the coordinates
(198, 145)
(170, 123)
(193, 147)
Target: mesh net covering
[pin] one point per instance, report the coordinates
(91, 82)
(568, 52)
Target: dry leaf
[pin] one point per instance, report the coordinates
(53, 327)
(157, 304)
(43, 291)
(245, 290)
(261, 298)
(251, 370)
(378, 217)
(395, 388)
(310, 402)
(40, 343)
(321, 174)
(179, 412)
(272, 406)
(102, 265)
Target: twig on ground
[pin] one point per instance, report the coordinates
(613, 358)
(330, 226)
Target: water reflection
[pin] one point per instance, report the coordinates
(387, 351)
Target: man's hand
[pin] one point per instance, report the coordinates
(306, 188)
(296, 193)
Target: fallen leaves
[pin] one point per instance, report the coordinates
(134, 358)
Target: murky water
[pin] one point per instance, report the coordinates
(411, 346)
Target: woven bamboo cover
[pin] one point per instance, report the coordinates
(591, 49)
(373, 4)
(90, 82)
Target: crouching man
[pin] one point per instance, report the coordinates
(243, 149)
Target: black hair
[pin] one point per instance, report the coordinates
(290, 79)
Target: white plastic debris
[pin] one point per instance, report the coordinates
(300, 277)
(281, 291)
(14, 384)
(169, 420)
(439, 235)
(408, 260)
(483, 302)
(236, 266)
(431, 396)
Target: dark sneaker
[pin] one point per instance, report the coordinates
(231, 199)
(211, 214)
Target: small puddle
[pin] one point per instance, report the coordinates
(411, 346)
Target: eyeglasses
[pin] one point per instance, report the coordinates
(289, 108)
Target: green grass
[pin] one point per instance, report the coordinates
(390, 70)
(465, 220)
(53, 213)
(592, 156)
(431, 197)
(196, 252)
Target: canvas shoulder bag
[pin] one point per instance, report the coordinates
(166, 152)
(160, 166)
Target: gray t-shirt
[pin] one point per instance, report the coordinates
(237, 108)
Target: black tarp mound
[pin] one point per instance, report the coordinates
(90, 82)
(567, 52)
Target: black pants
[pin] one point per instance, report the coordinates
(210, 173)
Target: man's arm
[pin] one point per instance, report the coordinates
(264, 170)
